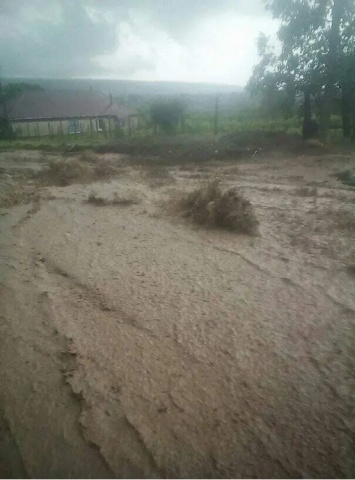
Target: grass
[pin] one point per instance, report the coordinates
(240, 137)
(200, 148)
(214, 206)
(202, 123)
(64, 143)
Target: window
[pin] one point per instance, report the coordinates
(73, 126)
(100, 124)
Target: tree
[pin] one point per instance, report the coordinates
(166, 114)
(7, 92)
(347, 77)
(11, 90)
(317, 44)
(271, 81)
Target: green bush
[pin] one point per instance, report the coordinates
(166, 114)
(347, 177)
(119, 132)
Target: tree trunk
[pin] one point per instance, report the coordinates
(352, 114)
(307, 116)
(331, 67)
(346, 112)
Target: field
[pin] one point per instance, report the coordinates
(138, 343)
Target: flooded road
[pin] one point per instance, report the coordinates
(138, 345)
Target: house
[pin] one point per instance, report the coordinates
(59, 112)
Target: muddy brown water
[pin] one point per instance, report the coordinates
(135, 344)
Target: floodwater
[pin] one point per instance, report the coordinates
(135, 344)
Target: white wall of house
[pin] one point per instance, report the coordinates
(63, 127)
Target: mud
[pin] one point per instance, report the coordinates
(135, 344)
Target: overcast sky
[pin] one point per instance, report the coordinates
(180, 40)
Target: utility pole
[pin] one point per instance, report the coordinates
(5, 127)
(332, 64)
(1, 86)
(216, 115)
(3, 99)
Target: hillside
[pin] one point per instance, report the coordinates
(200, 97)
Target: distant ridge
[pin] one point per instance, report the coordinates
(132, 87)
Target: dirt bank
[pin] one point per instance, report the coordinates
(136, 344)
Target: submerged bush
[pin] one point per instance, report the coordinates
(217, 207)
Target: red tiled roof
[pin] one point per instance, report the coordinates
(45, 104)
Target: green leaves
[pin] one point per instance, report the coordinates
(166, 113)
(11, 90)
(304, 33)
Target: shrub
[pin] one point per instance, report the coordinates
(166, 114)
(347, 177)
(65, 171)
(158, 176)
(17, 195)
(125, 201)
(105, 169)
(213, 206)
(119, 132)
(84, 169)
(96, 199)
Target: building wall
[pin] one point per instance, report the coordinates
(131, 123)
(56, 127)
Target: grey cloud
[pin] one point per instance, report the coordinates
(130, 66)
(43, 47)
(176, 16)
(181, 15)
(37, 45)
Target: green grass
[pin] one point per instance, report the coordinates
(201, 124)
(195, 125)
(198, 123)
(48, 143)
